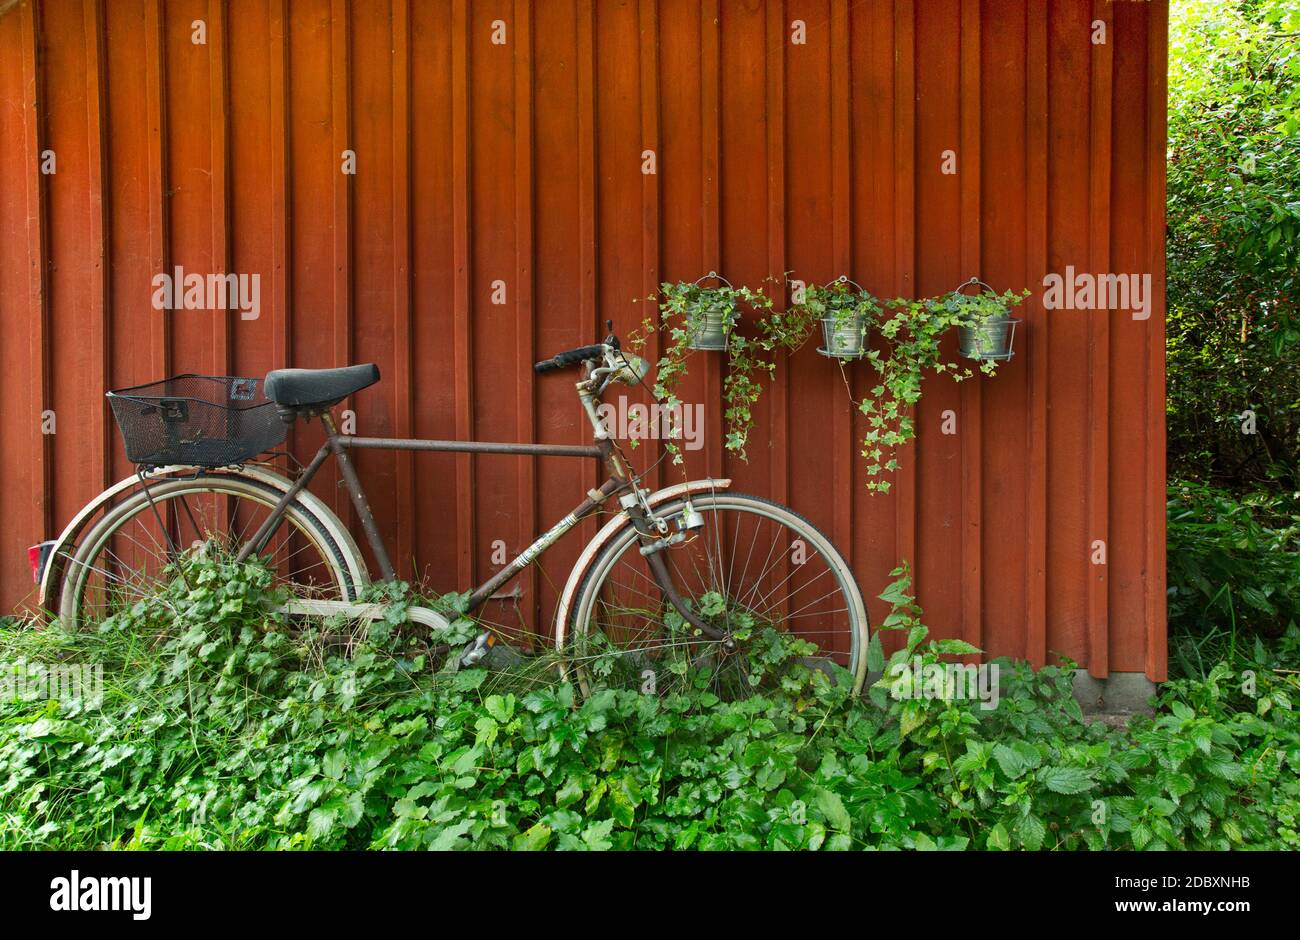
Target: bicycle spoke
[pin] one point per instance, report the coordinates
(623, 612)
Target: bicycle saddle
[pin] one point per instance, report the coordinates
(297, 388)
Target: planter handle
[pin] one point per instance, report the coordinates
(845, 279)
(714, 275)
(971, 283)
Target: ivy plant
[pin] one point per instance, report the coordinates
(915, 330)
(842, 303)
(684, 308)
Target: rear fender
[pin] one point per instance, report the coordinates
(66, 544)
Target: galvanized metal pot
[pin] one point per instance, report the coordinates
(709, 327)
(988, 339)
(844, 337)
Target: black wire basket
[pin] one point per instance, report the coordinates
(196, 420)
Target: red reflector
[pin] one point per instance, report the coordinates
(37, 555)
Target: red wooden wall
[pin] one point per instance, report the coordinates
(522, 163)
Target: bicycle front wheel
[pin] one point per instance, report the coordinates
(755, 570)
(130, 553)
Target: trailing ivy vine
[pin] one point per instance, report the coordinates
(913, 329)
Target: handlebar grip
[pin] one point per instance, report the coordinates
(570, 357)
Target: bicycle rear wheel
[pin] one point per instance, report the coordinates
(130, 552)
(755, 569)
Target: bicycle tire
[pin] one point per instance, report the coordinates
(858, 626)
(299, 517)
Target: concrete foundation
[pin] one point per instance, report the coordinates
(1119, 696)
(1120, 693)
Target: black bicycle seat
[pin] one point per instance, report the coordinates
(297, 388)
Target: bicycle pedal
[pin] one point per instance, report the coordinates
(480, 647)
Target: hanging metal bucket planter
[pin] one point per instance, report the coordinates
(991, 340)
(845, 335)
(710, 326)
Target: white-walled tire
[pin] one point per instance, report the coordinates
(125, 553)
(753, 560)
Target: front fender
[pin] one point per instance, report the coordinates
(66, 544)
(606, 534)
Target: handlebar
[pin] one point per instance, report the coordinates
(570, 357)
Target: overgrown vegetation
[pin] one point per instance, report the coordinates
(1233, 333)
(221, 729)
(1234, 579)
(1234, 243)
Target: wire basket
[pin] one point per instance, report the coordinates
(197, 420)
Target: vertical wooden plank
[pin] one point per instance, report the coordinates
(525, 286)
(779, 459)
(340, 115)
(905, 248)
(23, 500)
(219, 119)
(38, 296)
(711, 210)
(280, 202)
(1099, 350)
(160, 344)
(650, 242)
(461, 303)
(341, 204)
(403, 389)
(1036, 326)
(434, 319)
(99, 334)
(588, 289)
(843, 449)
(1157, 652)
(972, 407)
(341, 124)
(873, 262)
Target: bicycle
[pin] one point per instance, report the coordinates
(661, 592)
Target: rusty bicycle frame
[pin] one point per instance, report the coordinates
(619, 481)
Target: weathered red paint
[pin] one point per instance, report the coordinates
(521, 163)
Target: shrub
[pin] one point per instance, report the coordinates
(220, 729)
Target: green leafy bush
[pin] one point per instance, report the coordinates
(1234, 578)
(1233, 251)
(219, 728)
